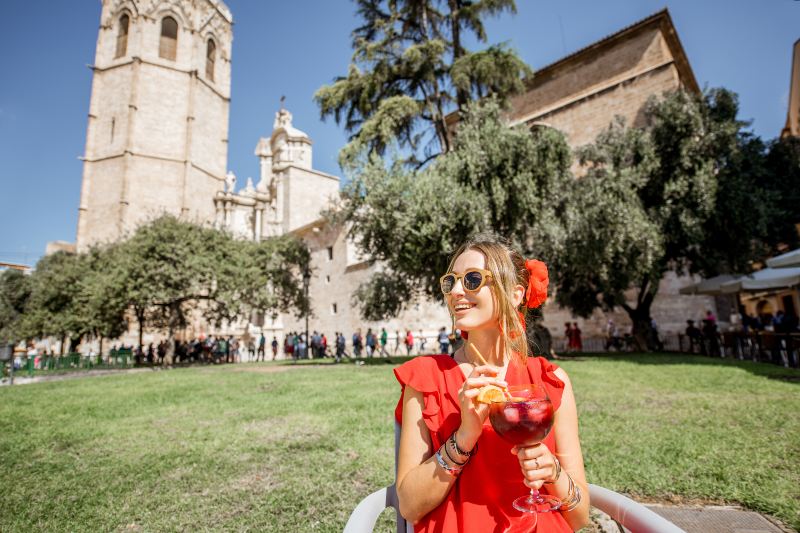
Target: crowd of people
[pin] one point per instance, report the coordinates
(369, 344)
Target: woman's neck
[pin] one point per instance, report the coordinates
(488, 343)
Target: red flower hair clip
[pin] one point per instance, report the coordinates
(537, 283)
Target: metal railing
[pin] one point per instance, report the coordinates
(52, 364)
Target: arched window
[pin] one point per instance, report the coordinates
(168, 45)
(211, 56)
(122, 36)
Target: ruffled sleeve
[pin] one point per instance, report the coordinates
(551, 382)
(424, 375)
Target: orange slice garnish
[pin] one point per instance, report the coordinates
(491, 394)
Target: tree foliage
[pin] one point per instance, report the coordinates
(171, 268)
(14, 295)
(410, 68)
(162, 274)
(508, 180)
(685, 194)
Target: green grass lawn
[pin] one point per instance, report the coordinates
(242, 447)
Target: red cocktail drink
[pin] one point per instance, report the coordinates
(525, 419)
(522, 422)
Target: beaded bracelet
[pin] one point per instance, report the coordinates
(460, 465)
(457, 448)
(452, 472)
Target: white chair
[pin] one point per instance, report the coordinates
(632, 515)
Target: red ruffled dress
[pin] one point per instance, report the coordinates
(480, 500)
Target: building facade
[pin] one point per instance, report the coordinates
(157, 142)
(157, 135)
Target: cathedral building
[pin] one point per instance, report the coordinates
(157, 138)
(157, 142)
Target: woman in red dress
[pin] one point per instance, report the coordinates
(454, 473)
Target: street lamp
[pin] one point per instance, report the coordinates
(306, 281)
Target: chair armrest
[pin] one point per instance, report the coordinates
(634, 516)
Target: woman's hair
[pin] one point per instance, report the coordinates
(508, 270)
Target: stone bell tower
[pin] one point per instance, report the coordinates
(157, 135)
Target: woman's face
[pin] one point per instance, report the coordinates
(472, 310)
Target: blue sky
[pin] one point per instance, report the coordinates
(294, 47)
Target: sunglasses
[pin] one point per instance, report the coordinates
(472, 280)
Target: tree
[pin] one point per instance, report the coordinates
(783, 177)
(14, 295)
(410, 68)
(56, 302)
(508, 180)
(682, 195)
(171, 268)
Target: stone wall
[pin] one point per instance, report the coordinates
(158, 129)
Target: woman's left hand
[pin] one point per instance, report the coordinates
(537, 463)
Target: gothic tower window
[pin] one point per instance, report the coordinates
(168, 45)
(122, 36)
(211, 56)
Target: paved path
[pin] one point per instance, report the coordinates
(716, 519)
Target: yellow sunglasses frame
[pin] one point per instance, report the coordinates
(485, 275)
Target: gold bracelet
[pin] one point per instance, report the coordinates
(573, 497)
(558, 472)
(574, 503)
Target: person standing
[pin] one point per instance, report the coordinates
(577, 340)
(261, 342)
(274, 347)
(444, 344)
(371, 342)
(422, 342)
(409, 342)
(567, 337)
(357, 343)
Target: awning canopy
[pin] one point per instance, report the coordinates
(789, 259)
(709, 287)
(766, 279)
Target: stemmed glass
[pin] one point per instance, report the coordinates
(525, 419)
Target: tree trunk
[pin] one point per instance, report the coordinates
(140, 319)
(641, 327)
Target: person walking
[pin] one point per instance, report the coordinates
(371, 342)
(357, 343)
(396, 342)
(422, 342)
(340, 343)
(384, 340)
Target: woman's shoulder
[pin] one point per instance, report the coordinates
(550, 372)
(429, 362)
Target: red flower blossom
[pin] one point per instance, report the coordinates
(537, 283)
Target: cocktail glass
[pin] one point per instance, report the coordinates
(524, 419)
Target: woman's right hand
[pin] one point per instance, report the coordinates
(473, 413)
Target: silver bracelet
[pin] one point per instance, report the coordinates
(451, 471)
